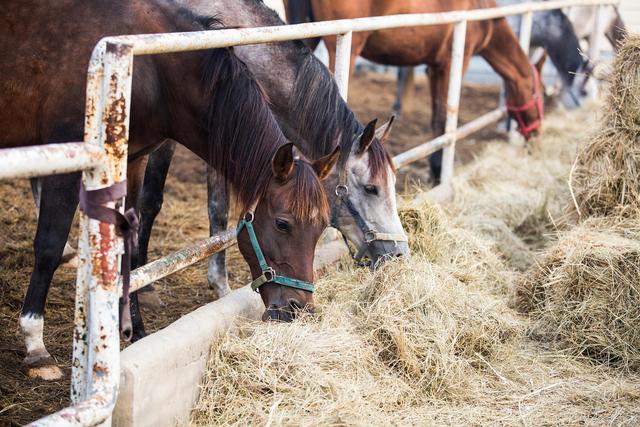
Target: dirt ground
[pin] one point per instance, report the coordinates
(183, 220)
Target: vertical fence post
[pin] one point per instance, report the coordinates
(453, 103)
(525, 31)
(93, 115)
(343, 63)
(97, 344)
(595, 47)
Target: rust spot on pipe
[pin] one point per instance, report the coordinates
(102, 269)
(100, 371)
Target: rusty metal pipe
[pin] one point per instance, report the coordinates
(183, 258)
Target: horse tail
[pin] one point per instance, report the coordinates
(300, 12)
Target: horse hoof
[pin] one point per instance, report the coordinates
(149, 300)
(42, 368)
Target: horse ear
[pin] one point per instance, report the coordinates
(540, 63)
(282, 163)
(366, 139)
(323, 165)
(383, 131)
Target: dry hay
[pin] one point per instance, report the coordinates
(429, 339)
(404, 336)
(466, 255)
(585, 293)
(517, 200)
(606, 177)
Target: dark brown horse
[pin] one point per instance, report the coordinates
(313, 115)
(492, 39)
(206, 100)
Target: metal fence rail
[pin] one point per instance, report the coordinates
(103, 158)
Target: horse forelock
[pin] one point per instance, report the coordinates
(323, 119)
(308, 201)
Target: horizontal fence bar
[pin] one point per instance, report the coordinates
(147, 44)
(430, 147)
(91, 412)
(183, 258)
(49, 159)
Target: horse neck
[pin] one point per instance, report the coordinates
(506, 57)
(276, 68)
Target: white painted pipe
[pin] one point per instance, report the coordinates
(343, 63)
(595, 48)
(430, 147)
(453, 101)
(49, 159)
(525, 31)
(147, 44)
(99, 256)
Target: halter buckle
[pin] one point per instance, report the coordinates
(370, 236)
(269, 274)
(342, 190)
(248, 217)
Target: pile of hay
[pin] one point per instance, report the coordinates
(431, 339)
(402, 337)
(585, 293)
(515, 200)
(606, 178)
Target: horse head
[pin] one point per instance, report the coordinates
(277, 236)
(363, 197)
(526, 104)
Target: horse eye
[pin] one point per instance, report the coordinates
(371, 189)
(282, 225)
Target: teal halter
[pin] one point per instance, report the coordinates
(268, 273)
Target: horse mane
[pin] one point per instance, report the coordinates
(244, 137)
(323, 118)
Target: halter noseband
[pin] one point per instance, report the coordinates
(268, 275)
(535, 101)
(370, 233)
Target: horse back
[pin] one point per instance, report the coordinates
(46, 49)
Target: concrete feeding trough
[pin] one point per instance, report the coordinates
(160, 375)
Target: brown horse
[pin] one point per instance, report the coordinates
(206, 100)
(493, 40)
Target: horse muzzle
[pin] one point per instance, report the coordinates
(383, 250)
(286, 312)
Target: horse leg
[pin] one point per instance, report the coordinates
(152, 197)
(58, 201)
(218, 208)
(69, 256)
(404, 89)
(439, 85)
(135, 180)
